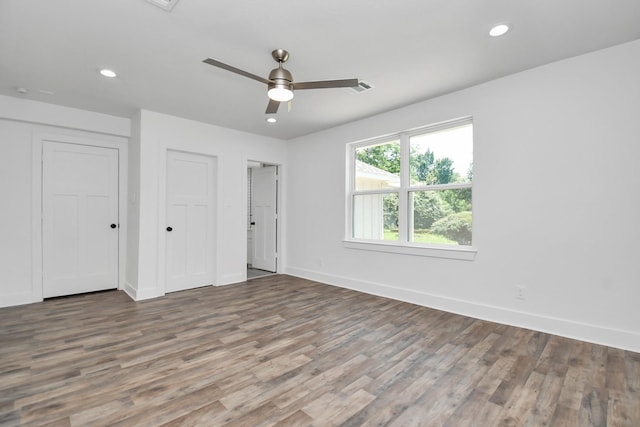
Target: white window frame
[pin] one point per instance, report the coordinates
(402, 245)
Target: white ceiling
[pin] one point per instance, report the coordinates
(410, 50)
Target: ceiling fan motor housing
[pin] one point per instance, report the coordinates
(281, 77)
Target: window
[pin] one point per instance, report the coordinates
(414, 188)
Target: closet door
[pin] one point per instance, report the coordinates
(190, 221)
(80, 229)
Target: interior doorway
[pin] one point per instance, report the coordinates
(262, 219)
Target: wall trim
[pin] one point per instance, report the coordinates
(130, 290)
(228, 284)
(17, 299)
(140, 294)
(626, 340)
(230, 279)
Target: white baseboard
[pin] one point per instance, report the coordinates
(229, 279)
(227, 284)
(626, 340)
(17, 299)
(129, 290)
(140, 294)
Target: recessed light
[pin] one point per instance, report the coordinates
(271, 120)
(499, 30)
(105, 72)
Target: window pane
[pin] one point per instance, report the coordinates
(442, 157)
(375, 216)
(378, 166)
(442, 216)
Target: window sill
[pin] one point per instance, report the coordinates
(464, 253)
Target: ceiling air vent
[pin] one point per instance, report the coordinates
(362, 87)
(164, 4)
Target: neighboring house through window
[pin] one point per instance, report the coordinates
(368, 208)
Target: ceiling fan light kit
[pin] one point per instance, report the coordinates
(280, 90)
(280, 83)
(280, 93)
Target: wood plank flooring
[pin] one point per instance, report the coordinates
(290, 352)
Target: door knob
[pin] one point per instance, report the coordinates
(113, 226)
(169, 228)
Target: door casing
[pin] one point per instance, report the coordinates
(42, 134)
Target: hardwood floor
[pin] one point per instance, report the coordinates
(253, 273)
(285, 351)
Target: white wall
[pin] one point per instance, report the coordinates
(15, 219)
(555, 194)
(159, 133)
(23, 126)
(20, 109)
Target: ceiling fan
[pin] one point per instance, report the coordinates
(280, 81)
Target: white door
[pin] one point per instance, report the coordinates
(190, 221)
(79, 219)
(265, 217)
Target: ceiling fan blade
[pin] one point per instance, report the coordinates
(227, 67)
(272, 107)
(326, 84)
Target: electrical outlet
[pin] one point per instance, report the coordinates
(520, 294)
